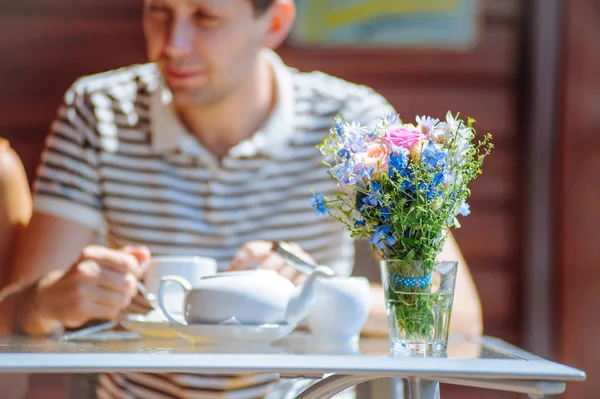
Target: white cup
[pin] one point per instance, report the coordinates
(191, 268)
(340, 310)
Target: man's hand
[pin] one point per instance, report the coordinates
(258, 254)
(98, 286)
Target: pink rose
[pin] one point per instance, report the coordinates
(376, 157)
(401, 136)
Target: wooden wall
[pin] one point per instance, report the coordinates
(578, 193)
(48, 44)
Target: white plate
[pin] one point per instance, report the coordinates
(230, 333)
(149, 326)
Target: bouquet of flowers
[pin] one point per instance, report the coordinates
(402, 186)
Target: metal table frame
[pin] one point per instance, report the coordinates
(519, 371)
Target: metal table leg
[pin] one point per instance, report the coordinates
(418, 388)
(332, 385)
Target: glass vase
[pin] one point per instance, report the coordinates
(419, 305)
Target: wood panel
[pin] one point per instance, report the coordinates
(578, 276)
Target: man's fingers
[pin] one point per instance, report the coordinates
(251, 253)
(89, 311)
(142, 254)
(118, 261)
(111, 299)
(300, 278)
(277, 263)
(121, 283)
(289, 272)
(88, 302)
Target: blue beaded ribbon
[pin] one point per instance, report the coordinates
(402, 281)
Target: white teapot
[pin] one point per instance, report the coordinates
(251, 297)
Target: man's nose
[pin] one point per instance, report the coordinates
(181, 37)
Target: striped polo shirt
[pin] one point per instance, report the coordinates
(119, 161)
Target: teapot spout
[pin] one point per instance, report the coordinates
(303, 297)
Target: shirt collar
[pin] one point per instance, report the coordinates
(169, 134)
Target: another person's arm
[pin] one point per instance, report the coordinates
(10, 297)
(15, 206)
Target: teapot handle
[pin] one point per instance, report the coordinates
(187, 287)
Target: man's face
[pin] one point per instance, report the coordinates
(204, 48)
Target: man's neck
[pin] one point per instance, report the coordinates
(222, 125)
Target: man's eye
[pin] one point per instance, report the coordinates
(158, 10)
(203, 16)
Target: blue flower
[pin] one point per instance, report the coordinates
(344, 153)
(398, 162)
(465, 209)
(432, 156)
(432, 190)
(370, 200)
(318, 202)
(382, 238)
(376, 187)
(339, 128)
(438, 179)
(359, 223)
(385, 213)
(407, 186)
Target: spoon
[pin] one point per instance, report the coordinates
(286, 251)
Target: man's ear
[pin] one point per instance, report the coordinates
(280, 18)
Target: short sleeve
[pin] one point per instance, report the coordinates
(67, 181)
(366, 106)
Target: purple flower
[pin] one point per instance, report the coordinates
(427, 123)
(355, 129)
(355, 143)
(391, 119)
(345, 173)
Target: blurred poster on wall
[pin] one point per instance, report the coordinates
(386, 23)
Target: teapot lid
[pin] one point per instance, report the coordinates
(235, 273)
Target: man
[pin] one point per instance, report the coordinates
(208, 150)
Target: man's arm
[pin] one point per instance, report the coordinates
(49, 244)
(466, 312)
(70, 283)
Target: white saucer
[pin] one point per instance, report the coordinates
(265, 333)
(152, 325)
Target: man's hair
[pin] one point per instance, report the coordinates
(261, 6)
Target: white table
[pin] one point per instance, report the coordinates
(485, 363)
